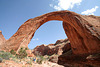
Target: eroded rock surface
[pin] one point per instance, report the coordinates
(82, 31)
(69, 59)
(2, 39)
(60, 47)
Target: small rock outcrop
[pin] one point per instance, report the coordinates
(2, 39)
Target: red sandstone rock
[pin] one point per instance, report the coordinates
(51, 44)
(82, 31)
(53, 58)
(69, 59)
(61, 41)
(41, 50)
(61, 47)
(2, 39)
(29, 53)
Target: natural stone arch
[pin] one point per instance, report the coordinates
(76, 27)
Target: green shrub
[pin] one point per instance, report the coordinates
(1, 59)
(5, 55)
(21, 53)
(29, 62)
(40, 59)
(12, 52)
(1, 51)
(26, 48)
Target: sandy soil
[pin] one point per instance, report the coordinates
(9, 63)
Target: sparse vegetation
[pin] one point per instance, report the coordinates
(5, 55)
(13, 52)
(1, 59)
(13, 56)
(29, 62)
(21, 53)
(40, 59)
(21, 57)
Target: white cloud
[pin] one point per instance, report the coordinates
(36, 39)
(51, 5)
(65, 4)
(90, 11)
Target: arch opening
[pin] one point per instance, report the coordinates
(48, 33)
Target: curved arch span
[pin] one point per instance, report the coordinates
(81, 39)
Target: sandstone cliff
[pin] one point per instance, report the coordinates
(82, 31)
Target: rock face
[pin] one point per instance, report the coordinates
(82, 31)
(58, 48)
(69, 59)
(40, 50)
(61, 41)
(53, 58)
(29, 53)
(2, 39)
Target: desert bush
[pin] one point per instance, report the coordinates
(29, 62)
(1, 59)
(5, 55)
(12, 52)
(26, 48)
(40, 59)
(21, 53)
(1, 51)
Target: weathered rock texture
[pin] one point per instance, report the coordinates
(60, 47)
(82, 31)
(41, 50)
(29, 53)
(69, 59)
(2, 39)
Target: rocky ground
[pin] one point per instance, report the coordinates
(9, 59)
(9, 63)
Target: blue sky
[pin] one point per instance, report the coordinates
(13, 13)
